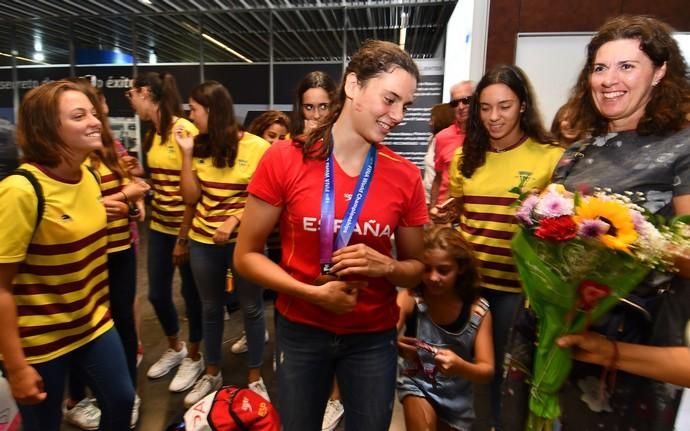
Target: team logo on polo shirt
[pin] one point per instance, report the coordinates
(65, 218)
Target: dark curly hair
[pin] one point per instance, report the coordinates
(452, 242)
(373, 58)
(222, 139)
(477, 140)
(669, 105)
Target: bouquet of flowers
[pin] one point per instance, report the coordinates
(577, 255)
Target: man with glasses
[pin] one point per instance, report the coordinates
(450, 138)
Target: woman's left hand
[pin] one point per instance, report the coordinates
(360, 259)
(222, 234)
(180, 254)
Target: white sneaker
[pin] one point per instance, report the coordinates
(167, 362)
(135, 412)
(260, 388)
(203, 387)
(240, 346)
(331, 417)
(84, 414)
(187, 374)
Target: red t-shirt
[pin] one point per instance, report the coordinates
(447, 141)
(396, 198)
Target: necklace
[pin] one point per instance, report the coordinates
(522, 139)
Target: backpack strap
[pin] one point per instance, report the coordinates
(236, 418)
(41, 204)
(479, 309)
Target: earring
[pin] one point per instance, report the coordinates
(655, 83)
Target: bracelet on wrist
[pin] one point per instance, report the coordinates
(125, 196)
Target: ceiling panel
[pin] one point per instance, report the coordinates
(178, 30)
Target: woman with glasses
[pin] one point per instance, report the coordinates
(506, 146)
(312, 102)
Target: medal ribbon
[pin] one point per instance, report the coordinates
(354, 208)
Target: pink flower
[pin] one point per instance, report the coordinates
(593, 228)
(554, 205)
(524, 213)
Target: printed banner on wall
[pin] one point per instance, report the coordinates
(411, 137)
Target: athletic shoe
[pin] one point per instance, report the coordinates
(167, 362)
(187, 374)
(260, 388)
(240, 346)
(203, 387)
(84, 415)
(331, 417)
(135, 412)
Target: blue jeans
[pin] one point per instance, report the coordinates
(102, 363)
(209, 264)
(122, 280)
(364, 365)
(503, 306)
(160, 270)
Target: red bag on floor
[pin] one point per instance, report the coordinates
(232, 409)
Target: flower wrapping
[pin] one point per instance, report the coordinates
(577, 256)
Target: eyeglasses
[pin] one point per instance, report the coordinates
(464, 100)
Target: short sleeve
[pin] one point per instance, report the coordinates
(415, 213)
(269, 179)
(454, 176)
(18, 212)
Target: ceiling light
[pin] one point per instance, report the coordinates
(215, 41)
(4, 54)
(146, 2)
(38, 56)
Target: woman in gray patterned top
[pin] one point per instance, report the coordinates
(633, 98)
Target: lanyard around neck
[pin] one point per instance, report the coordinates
(354, 208)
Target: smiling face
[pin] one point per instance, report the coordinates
(441, 272)
(622, 81)
(140, 101)
(379, 104)
(79, 128)
(500, 111)
(274, 132)
(199, 115)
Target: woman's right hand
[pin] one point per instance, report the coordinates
(407, 348)
(184, 139)
(337, 296)
(27, 385)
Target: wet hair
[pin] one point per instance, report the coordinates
(476, 143)
(372, 59)
(222, 139)
(442, 116)
(38, 121)
(452, 242)
(108, 154)
(669, 105)
(316, 79)
(259, 125)
(164, 93)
